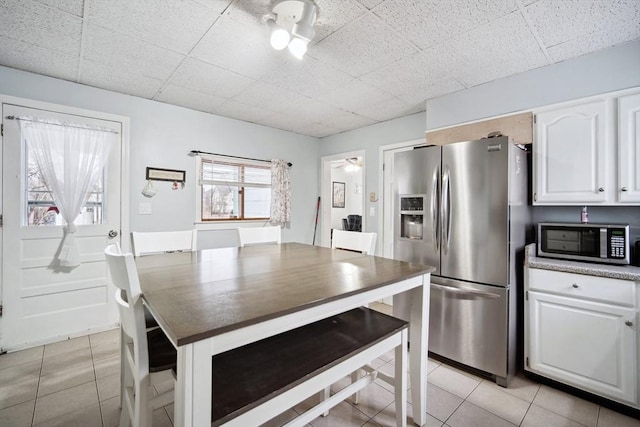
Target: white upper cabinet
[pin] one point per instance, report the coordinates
(588, 152)
(629, 148)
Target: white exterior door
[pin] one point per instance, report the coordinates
(43, 303)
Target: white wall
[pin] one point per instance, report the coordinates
(352, 200)
(162, 135)
(604, 71)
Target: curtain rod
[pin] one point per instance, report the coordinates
(24, 119)
(194, 153)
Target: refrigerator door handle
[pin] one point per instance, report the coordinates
(435, 208)
(461, 291)
(446, 210)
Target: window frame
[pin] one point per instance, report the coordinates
(201, 159)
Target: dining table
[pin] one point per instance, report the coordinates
(214, 300)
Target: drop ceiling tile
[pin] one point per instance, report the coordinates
(362, 46)
(36, 59)
(308, 77)
(386, 110)
(370, 4)
(136, 56)
(560, 21)
(239, 47)
(40, 25)
(354, 96)
(273, 98)
(173, 24)
(594, 41)
(335, 14)
(188, 98)
(428, 91)
(485, 54)
(240, 111)
(71, 6)
(249, 12)
(345, 121)
(281, 121)
(118, 79)
(427, 23)
(318, 130)
(201, 76)
(411, 74)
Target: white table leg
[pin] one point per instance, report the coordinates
(417, 300)
(193, 385)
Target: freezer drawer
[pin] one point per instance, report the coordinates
(468, 324)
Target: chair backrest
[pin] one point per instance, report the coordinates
(259, 235)
(124, 276)
(354, 222)
(146, 243)
(354, 241)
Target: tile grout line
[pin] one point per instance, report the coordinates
(35, 400)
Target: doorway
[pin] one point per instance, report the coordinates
(42, 302)
(342, 192)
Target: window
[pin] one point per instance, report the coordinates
(234, 190)
(41, 210)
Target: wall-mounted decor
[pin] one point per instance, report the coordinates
(338, 195)
(172, 175)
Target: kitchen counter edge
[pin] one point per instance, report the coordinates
(624, 272)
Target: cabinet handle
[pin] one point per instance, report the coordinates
(628, 323)
(575, 285)
(601, 189)
(623, 189)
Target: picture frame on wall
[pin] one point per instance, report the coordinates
(337, 201)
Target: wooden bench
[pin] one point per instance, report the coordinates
(256, 382)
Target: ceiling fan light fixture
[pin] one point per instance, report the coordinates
(279, 36)
(298, 47)
(291, 25)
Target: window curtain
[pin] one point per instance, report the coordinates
(71, 159)
(280, 193)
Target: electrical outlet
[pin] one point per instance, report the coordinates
(144, 208)
(372, 211)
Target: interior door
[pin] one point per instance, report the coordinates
(475, 211)
(43, 303)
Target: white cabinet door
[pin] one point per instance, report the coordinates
(570, 155)
(629, 149)
(585, 344)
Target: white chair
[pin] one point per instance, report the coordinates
(142, 352)
(354, 241)
(259, 235)
(147, 243)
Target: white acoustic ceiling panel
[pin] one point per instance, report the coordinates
(370, 61)
(40, 25)
(136, 56)
(196, 100)
(174, 24)
(201, 76)
(362, 46)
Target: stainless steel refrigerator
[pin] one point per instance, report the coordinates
(463, 208)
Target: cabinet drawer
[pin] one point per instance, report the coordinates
(605, 289)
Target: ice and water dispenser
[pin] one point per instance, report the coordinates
(412, 216)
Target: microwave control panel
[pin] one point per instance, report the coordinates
(616, 243)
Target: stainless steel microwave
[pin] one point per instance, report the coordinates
(603, 243)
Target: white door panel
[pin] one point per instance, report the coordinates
(43, 303)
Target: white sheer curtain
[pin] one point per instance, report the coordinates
(280, 192)
(71, 159)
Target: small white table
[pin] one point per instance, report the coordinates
(211, 301)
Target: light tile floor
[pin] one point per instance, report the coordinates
(76, 383)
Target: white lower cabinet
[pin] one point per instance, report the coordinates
(575, 336)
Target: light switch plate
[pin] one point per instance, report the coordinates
(144, 208)
(372, 211)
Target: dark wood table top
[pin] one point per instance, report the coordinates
(197, 295)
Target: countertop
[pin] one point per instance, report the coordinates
(626, 272)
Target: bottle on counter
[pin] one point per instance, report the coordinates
(584, 215)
